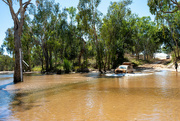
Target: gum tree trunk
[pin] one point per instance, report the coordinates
(18, 61)
(18, 18)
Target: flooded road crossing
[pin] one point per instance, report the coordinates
(77, 97)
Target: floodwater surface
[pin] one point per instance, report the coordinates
(81, 97)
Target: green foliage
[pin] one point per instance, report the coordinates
(87, 40)
(6, 63)
(67, 65)
(159, 7)
(59, 67)
(116, 31)
(137, 62)
(9, 40)
(167, 14)
(1, 49)
(37, 68)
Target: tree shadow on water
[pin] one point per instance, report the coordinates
(5, 100)
(23, 100)
(5, 85)
(13, 101)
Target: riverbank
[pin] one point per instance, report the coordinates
(6, 72)
(164, 64)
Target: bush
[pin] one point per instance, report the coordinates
(59, 67)
(37, 68)
(67, 65)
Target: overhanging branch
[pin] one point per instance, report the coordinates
(170, 11)
(176, 3)
(5, 2)
(26, 4)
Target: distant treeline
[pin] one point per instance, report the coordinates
(6, 63)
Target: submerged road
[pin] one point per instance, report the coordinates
(154, 96)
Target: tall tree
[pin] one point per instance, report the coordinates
(41, 24)
(91, 22)
(27, 43)
(165, 11)
(18, 18)
(116, 31)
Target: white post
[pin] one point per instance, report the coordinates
(20, 54)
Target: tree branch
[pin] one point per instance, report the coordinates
(14, 17)
(22, 12)
(5, 2)
(18, 12)
(176, 3)
(20, 3)
(170, 11)
(26, 4)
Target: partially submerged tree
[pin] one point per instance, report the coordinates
(18, 18)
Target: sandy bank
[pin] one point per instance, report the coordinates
(6, 72)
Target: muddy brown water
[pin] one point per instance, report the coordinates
(89, 97)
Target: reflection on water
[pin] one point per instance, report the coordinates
(91, 97)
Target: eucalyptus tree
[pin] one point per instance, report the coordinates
(73, 38)
(174, 27)
(40, 27)
(6, 63)
(18, 18)
(144, 27)
(52, 35)
(146, 38)
(165, 11)
(9, 41)
(116, 31)
(27, 42)
(137, 43)
(90, 23)
(106, 35)
(81, 32)
(72, 15)
(165, 36)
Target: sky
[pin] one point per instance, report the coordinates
(138, 6)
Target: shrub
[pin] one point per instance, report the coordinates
(67, 65)
(37, 68)
(137, 62)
